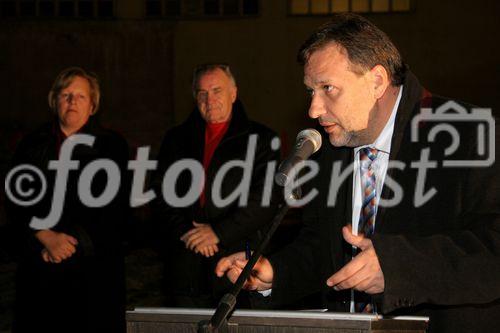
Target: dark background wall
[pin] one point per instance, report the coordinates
(145, 70)
(452, 46)
(134, 61)
(145, 64)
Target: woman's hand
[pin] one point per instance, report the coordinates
(58, 245)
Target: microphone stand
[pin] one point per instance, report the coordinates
(228, 301)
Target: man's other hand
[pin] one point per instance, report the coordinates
(363, 272)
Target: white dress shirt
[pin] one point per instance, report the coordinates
(383, 145)
(379, 165)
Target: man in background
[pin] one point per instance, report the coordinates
(216, 132)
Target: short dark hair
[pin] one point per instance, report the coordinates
(365, 44)
(202, 69)
(66, 77)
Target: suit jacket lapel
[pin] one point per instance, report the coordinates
(341, 212)
(412, 93)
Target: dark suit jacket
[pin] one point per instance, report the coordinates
(440, 259)
(232, 224)
(87, 291)
(189, 276)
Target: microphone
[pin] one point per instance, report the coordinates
(308, 142)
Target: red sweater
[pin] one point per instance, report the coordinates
(213, 135)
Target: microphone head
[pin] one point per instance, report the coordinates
(308, 142)
(312, 135)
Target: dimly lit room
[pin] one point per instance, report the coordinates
(152, 59)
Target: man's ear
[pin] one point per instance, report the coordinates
(380, 80)
(234, 94)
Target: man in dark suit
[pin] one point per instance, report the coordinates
(393, 227)
(194, 236)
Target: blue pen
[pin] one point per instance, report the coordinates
(247, 250)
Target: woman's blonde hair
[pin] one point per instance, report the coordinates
(65, 78)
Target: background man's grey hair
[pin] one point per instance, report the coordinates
(201, 70)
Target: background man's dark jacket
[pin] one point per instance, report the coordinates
(85, 293)
(441, 259)
(233, 225)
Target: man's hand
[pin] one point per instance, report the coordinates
(262, 273)
(200, 237)
(363, 272)
(59, 246)
(208, 251)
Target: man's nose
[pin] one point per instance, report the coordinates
(316, 109)
(210, 98)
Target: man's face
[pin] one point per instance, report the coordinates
(74, 105)
(341, 100)
(215, 95)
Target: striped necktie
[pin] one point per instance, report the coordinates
(366, 225)
(368, 212)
